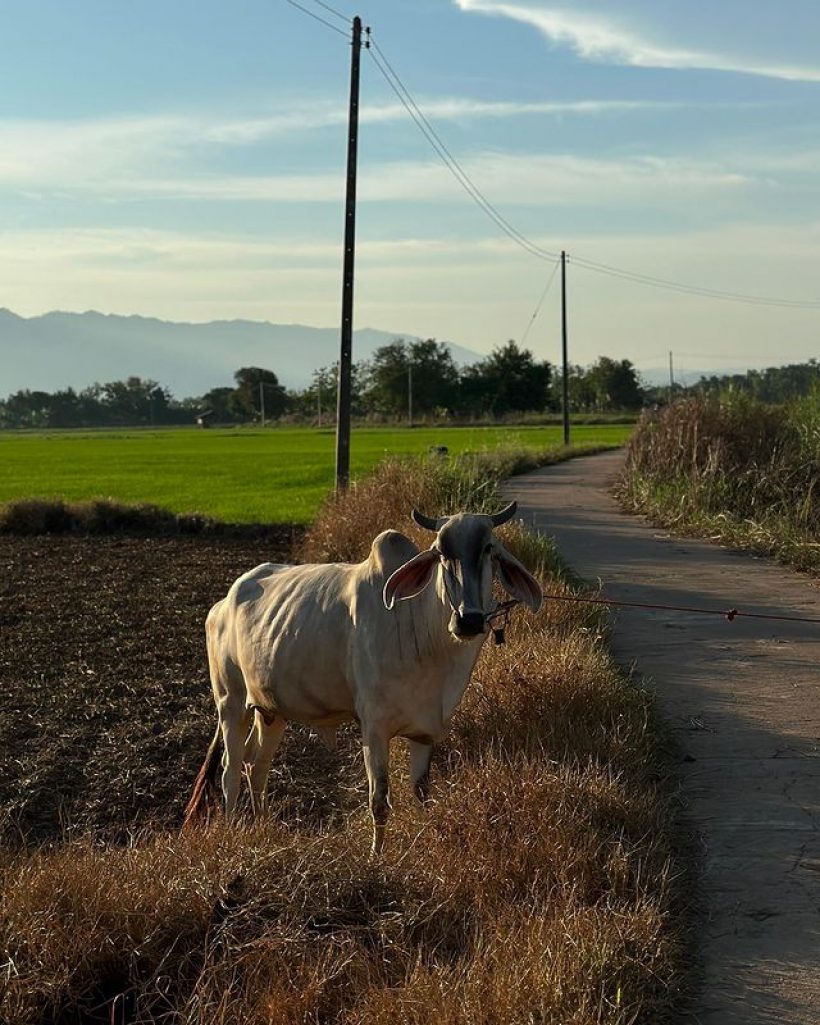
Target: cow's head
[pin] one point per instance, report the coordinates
(470, 557)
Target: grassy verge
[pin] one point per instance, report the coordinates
(733, 470)
(539, 887)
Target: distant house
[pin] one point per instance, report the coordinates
(205, 418)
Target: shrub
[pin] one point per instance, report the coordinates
(732, 467)
(35, 516)
(102, 516)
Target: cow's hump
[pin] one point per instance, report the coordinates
(390, 550)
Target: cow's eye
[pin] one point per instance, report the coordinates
(488, 548)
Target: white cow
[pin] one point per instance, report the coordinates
(325, 644)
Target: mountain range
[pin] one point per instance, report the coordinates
(58, 350)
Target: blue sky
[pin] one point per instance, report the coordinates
(186, 160)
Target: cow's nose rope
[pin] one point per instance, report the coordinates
(501, 610)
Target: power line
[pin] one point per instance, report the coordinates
(317, 17)
(424, 125)
(451, 163)
(687, 289)
(544, 294)
(448, 159)
(347, 20)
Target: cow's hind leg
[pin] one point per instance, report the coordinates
(261, 746)
(234, 720)
(420, 755)
(228, 685)
(376, 750)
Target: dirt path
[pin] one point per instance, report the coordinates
(743, 702)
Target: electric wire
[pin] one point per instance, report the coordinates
(544, 294)
(450, 162)
(316, 17)
(332, 10)
(687, 289)
(533, 248)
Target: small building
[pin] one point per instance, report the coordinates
(205, 418)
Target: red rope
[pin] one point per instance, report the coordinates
(729, 614)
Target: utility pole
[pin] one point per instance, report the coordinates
(409, 394)
(671, 378)
(564, 359)
(319, 401)
(346, 353)
(262, 401)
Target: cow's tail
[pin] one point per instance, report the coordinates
(206, 794)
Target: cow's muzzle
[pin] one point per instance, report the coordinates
(468, 624)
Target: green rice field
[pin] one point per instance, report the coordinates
(239, 475)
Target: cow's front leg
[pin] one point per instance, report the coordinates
(262, 745)
(420, 755)
(376, 749)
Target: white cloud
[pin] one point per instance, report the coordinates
(126, 251)
(36, 153)
(513, 179)
(554, 179)
(529, 178)
(84, 153)
(600, 38)
(322, 115)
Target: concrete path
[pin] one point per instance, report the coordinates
(743, 701)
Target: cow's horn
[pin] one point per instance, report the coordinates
(424, 521)
(505, 514)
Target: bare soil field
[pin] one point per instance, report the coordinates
(105, 706)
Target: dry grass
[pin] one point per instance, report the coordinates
(732, 469)
(347, 523)
(537, 888)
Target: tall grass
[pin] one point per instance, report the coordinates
(538, 887)
(734, 469)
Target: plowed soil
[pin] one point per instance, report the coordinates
(105, 704)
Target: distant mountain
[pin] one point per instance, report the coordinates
(58, 350)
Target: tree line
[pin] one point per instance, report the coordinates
(402, 380)
(773, 385)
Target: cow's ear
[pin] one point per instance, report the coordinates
(516, 579)
(411, 578)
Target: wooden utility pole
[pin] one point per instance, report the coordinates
(671, 379)
(409, 394)
(564, 358)
(346, 353)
